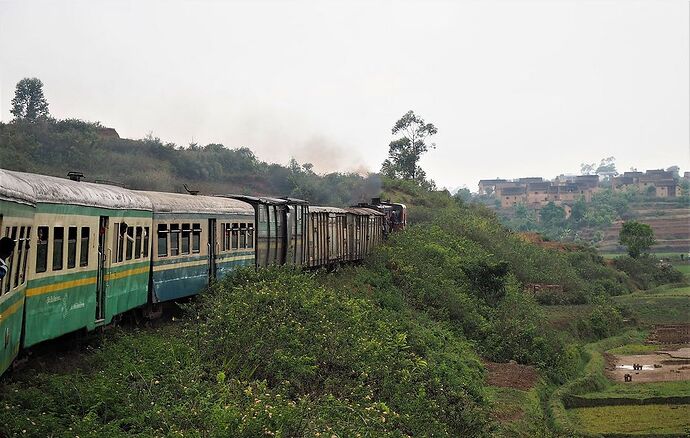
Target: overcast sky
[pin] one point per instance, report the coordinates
(515, 88)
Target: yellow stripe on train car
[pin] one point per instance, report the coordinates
(83, 281)
(10, 310)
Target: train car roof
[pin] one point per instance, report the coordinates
(266, 200)
(13, 188)
(364, 211)
(54, 190)
(325, 209)
(183, 203)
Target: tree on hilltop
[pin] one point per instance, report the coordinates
(405, 152)
(29, 103)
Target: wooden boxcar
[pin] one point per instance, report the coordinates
(197, 239)
(17, 209)
(337, 235)
(81, 272)
(366, 228)
(280, 229)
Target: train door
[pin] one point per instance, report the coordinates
(212, 245)
(101, 283)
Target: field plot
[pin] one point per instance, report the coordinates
(656, 367)
(669, 420)
(663, 305)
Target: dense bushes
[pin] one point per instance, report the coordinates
(647, 272)
(358, 367)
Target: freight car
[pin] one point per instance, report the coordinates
(86, 253)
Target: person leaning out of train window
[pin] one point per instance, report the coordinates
(6, 249)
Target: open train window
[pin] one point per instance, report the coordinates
(12, 234)
(71, 247)
(27, 244)
(19, 252)
(250, 236)
(58, 247)
(130, 243)
(146, 242)
(42, 249)
(196, 238)
(174, 239)
(186, 237)
(235, 235)
(162, 240)
(243, 235)
(137, 244)
(84, 250)
(119, 237)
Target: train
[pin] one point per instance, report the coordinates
(86, 253)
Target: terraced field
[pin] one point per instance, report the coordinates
(669, 220)
(648, 420)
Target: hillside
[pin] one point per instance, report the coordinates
(55, 147)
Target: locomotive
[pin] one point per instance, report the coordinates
(86, 253)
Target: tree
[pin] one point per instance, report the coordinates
(552, 215)
(607, 168)
(29, 104)
(463, 195)
(405, 152)
(638, 237)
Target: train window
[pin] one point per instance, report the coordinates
(120, 239)
(250, 236)
(224, 237)
(146, 242)
(19, 251)
(84, 250)
(27, 241)
(12, 234)
(58, 247)
(186, 236)
(235, 232)
(71, 247)
(271, 216)
(42, 249)
(162, 240)
(243, 235)
(174, 239)
(130, 242)
(137, 244)
(196, 238)
(262, 213)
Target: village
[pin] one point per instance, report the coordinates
(564, 190)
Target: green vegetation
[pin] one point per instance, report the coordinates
(55, 147)
(29, 103)
(646, 272)
(637, 237)
(641, 391)
(635, 348)
(405, 152)
(670, 420)
(387, 348)
(519, 413)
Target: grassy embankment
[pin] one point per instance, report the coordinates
(595, 405)
(389, 348)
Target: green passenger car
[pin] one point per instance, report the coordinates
(197, 239)
(16, 221)
(90, 256)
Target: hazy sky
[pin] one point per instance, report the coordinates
(515, 88)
